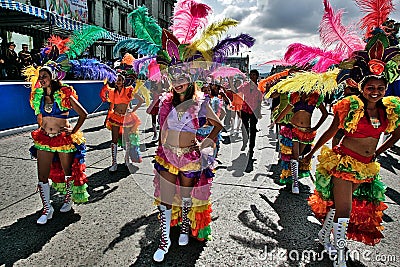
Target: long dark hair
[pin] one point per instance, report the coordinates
(188, 100)
(54, 84)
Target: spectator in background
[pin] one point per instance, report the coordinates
(251, 111)
(25, 56)
(3, 73)
(11, 62)
(157, 90)
(237, 101)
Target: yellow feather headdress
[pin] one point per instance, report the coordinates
(307, 82)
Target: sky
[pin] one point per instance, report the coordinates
(275, 24)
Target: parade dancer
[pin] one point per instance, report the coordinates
(349, 192)
(182, 182)
(122, 121)
(297, 135)
(58, 146)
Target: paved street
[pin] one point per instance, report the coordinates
(256, 221)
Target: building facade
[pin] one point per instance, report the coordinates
(111, 15)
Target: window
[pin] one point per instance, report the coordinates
(107, 18)
(90, 5)
(122, 23)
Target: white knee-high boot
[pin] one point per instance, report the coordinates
(114, 165)
(68, 195)
(185, 226)
(325, 233)
(339, 234)
(47, 213)
(165, 241)
(294, 168)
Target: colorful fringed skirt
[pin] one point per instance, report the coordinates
(367, 207)
(62, 143)
(194, 165)
(287, 135)
(129, 122)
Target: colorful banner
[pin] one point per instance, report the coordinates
(74, 9)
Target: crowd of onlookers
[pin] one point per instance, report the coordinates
(11, 62)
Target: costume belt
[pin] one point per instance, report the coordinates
(50, 134)
(179, 151)
(303, 129)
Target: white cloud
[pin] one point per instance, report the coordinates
(276, 24)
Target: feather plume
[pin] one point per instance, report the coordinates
(189, 17)
(333, 32)
(140, 87)
(271, 80)
(142, 46)
(226, 72)
(210, 35)
(92, 69)
(32, 75)
(278, 62)
(82, 39)
(154, 71)
(231, 45)
(307, 82)
(377, 11)
(146, 27)
(59, 42)
(138, 63)
(303, 56)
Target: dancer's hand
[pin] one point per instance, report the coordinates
(207, 142)
(68, 129)
(307, 157)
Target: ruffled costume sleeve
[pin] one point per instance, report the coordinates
(165, 108)
(35, 99)
(392, 104)
(106, 93)
(63, 98)
(350, 110)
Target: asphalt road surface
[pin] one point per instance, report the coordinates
(256, 221)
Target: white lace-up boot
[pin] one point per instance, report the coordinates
(339, 234)
(47, 213)
(185, 226)
(114, 165)
(165, 241)
(325, 233)
(68, 195)
(294, 167)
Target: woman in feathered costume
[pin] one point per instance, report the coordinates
(123, 121)
(182, 111)
(59, 147)
(298, 135)
(349, 192)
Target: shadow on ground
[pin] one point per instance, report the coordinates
(177, 255)
(24, 237)
(99, 182)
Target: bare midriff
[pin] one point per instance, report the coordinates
(302, 119)
(120, 108)
(52, 125)
(178, 138)
(363, 146)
